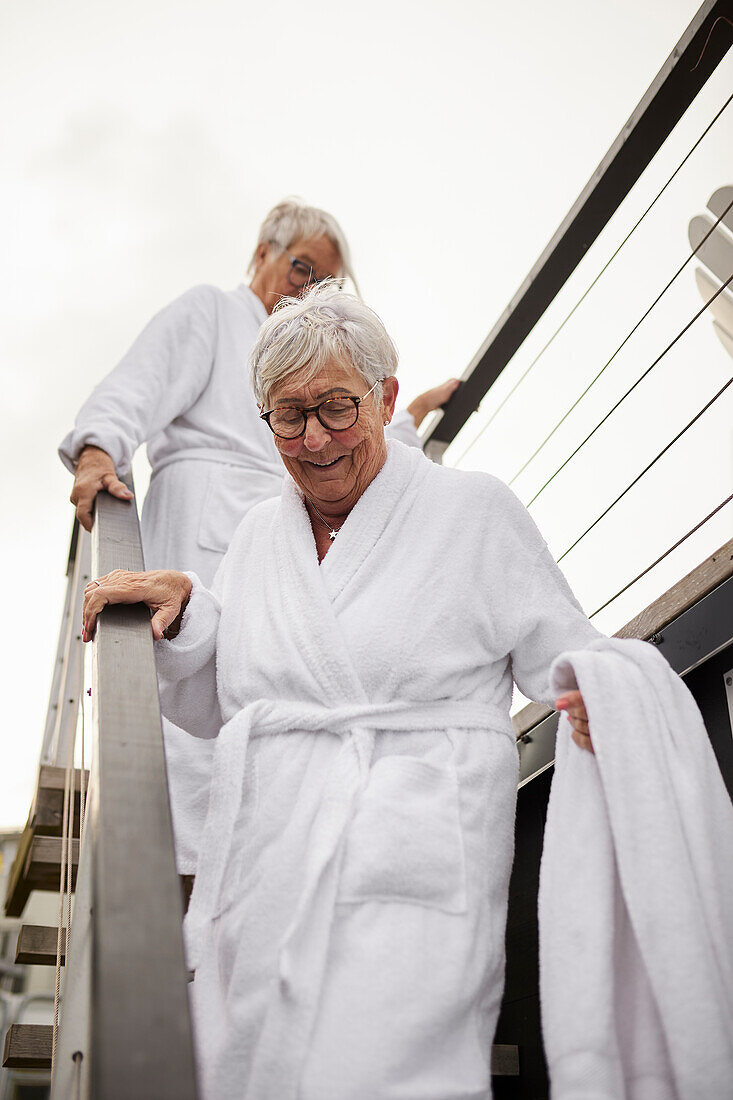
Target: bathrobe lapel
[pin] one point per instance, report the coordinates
(311, 620)
(382, 506)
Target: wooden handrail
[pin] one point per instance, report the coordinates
(125, 1024)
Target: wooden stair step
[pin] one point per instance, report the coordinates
(45, 819)
(37, 945)
(39, 869)
(47, 814)
(504, 1060)
(43, 868)
(28, 1046)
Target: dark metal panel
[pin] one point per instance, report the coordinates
(708, 685)
(519, 1020)
(537, 748)
(700, 632)
(697, 54)
(140, 1028)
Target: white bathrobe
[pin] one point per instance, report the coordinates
(347, 922)
(184, 388)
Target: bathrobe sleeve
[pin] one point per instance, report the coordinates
(551, 621)
(186, 664)
(161, 376)
(402, 427)
(535, 615)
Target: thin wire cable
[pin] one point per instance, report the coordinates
(647, 468)
(586, 292)
(623, 343)
(661, 558)
(631, 389)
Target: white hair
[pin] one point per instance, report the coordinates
(303, 334)
(291, 221)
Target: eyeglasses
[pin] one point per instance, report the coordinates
(336, 414)
(302, 274)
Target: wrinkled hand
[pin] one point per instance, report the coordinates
(572, 703)
(165, 592)
(427, 402)
(95, 471)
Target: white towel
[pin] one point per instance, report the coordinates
(636, 891)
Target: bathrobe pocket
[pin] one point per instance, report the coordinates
(404, 842)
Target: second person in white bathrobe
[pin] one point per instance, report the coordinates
(354, 663)
(183, 387)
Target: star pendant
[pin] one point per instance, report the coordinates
(332, 535)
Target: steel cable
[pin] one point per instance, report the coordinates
(607, 364)
(587, 291)
(630, 390)
(648, 467)
(661, 557)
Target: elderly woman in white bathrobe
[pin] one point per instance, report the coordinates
(354, 660)
(183, 388)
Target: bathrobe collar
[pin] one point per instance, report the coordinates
(365, 524)
(255, 304)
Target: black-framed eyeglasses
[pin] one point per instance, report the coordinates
(335, 414)
(302, 274)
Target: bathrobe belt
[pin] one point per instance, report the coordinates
(303, 949)
(223, 457)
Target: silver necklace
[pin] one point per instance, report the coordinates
(332, 531)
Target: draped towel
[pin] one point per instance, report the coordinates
(636, 891)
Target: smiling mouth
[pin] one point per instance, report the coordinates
(325, 465)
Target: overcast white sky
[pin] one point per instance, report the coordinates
(143, 143)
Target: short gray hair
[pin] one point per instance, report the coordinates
(291, 221)
(303, 334)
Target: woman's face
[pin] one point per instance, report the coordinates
(333, 468)
(272, 279)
